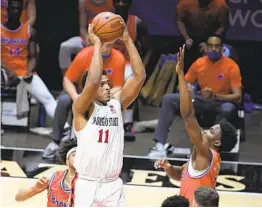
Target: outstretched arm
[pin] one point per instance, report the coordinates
(173, 172)
(134, 84)
(40, 186)
(83, 101)
(187, 109)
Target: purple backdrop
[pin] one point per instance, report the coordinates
(245, 21)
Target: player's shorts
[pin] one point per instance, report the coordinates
(89, 193)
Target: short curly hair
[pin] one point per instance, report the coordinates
(65, 146)
(229, 135)
(175, 201)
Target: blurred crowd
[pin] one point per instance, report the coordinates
(211, 65)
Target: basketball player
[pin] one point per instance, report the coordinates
(203, 167)
(59, 185)
(18, 56)
(28, 14)
(99, 129)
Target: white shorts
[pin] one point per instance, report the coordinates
(96, 194)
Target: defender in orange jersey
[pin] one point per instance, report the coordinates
(28, 13)
(58, 186)
(203, 167)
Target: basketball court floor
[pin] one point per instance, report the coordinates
(239, 184)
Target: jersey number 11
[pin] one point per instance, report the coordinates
(103, 136)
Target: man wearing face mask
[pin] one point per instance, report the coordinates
(220, 85)
(114, 66)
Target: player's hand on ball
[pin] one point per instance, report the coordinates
(41, 184)
(180, 60)
(125, 37)
(161, 164)
(92, 37)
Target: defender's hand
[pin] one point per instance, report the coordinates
(161, 164)
(180, 60)
(41, 184)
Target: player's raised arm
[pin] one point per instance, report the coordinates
(134, 84)
(187, 109)
(82, 103)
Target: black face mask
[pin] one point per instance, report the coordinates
(204, 3)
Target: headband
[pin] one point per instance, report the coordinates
(70, 151)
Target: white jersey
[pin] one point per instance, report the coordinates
(100, 145)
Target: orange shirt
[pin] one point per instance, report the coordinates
(114, 66)
(220, 76)
(189, 183)
(58, 195)
(202, 22)
(14, 48)
(4, 4)
(131, 26)
(94, 9)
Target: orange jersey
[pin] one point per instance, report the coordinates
(14, 48)
(94, 9)
(131, 26)
(190, 183)
(221, 76)
(58, 195)
(4, 17)
(114, 66)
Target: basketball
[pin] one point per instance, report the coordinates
(108, 26)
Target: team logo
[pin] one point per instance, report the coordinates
(109, 71)
(112, 109)
(220, 76)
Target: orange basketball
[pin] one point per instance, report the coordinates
(108, 26)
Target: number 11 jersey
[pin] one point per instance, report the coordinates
(100, 144)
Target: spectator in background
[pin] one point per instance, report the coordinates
(206, 197)
(28, 14)
(114, 66)
(197, 20)
(175, 201)
(220, 85)
(19, 58)
(88, 9)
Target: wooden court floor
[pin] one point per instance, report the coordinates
(135, 195)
